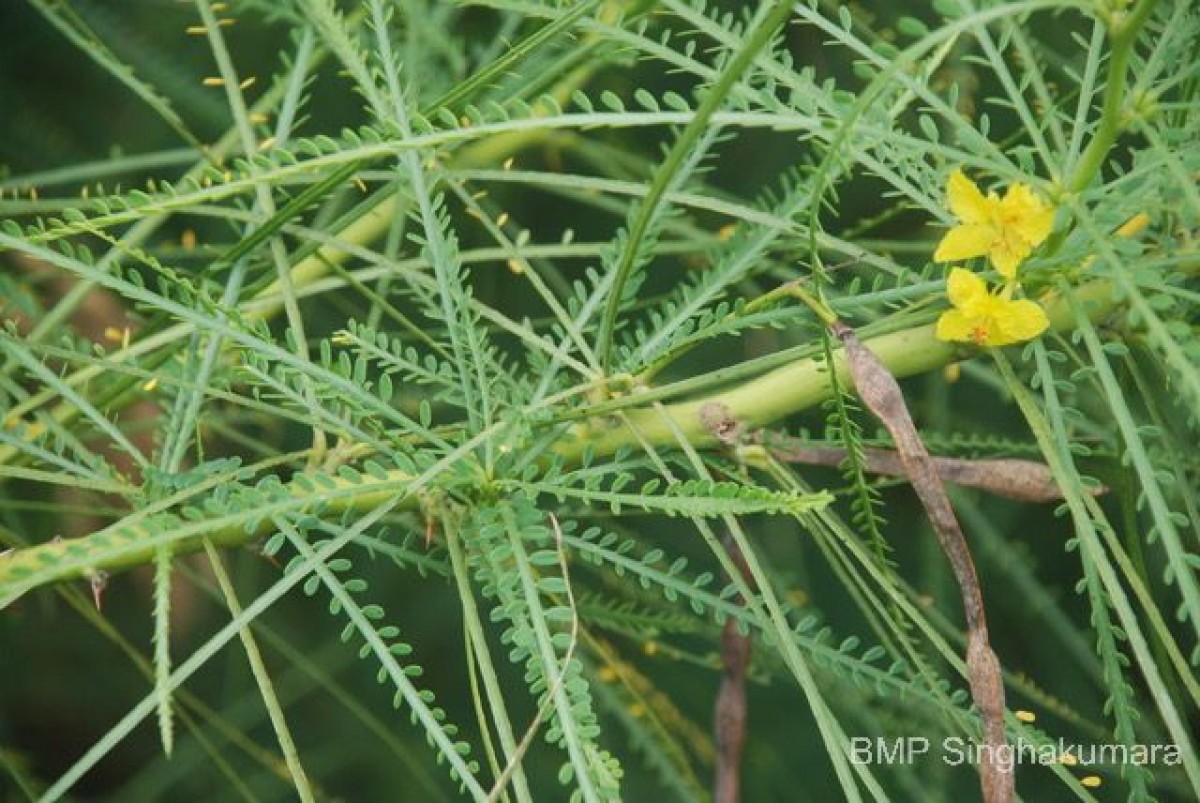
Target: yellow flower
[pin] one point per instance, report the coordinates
(1005, 229)
(984, 318)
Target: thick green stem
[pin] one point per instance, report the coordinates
(771, 397)
(1122, 32)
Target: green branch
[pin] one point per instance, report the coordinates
(1123, 29)
(774, 396)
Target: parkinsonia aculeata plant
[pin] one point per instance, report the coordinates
(438, 325)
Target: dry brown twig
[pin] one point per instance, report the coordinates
(1011, 478)
(729, 718)
(1018, 479)
(881, 393)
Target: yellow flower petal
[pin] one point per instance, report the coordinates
(965, 289)
(1007, 254)
(1018, 321)
(964, 242)
(1027, 214)
(986, 319)
(1006, 229)
(966, 201)
(954, 326)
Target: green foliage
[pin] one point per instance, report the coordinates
(432, 315)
